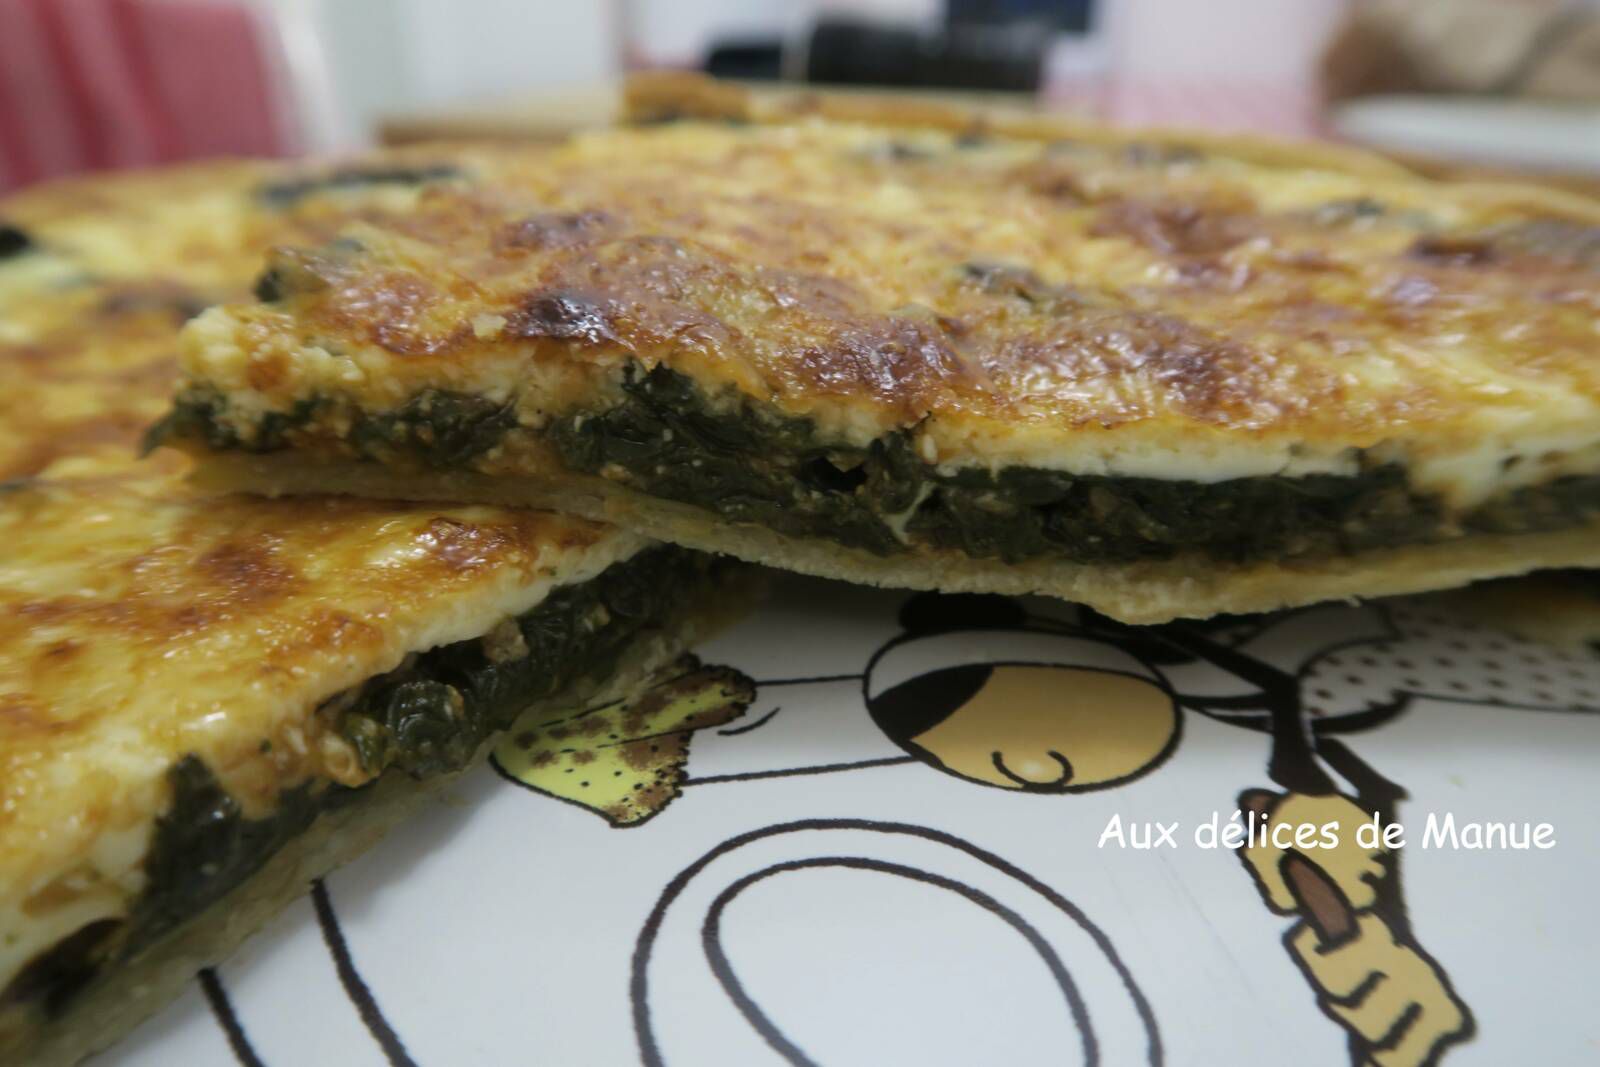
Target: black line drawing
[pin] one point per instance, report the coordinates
(639, 984)
(774, 683)
(1348, 903)
(793, 772)
(222, 1010)
(723, 968)
(749, 726)
(394, 1050)
(1403, 1010)
(1367, 920)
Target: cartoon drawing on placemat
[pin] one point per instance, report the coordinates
(1016, 697)
(625, 760)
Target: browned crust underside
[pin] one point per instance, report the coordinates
(1560, 609)
(1150, 592)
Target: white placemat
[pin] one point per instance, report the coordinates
(902, 829)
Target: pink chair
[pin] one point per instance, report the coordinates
(103, 84)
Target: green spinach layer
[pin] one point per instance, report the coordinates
(749, 464)
(428, 717)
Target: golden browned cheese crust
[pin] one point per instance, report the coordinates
(89, 315)
(89, 311)
(286, 601)
(1097, 305)
(142, 620)
(208, 225)
(197, 223)
(90, 374)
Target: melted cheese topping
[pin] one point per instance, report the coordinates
(140, 621)
(89, 320)
(87, 369)
(1094, 306)
(208, 225)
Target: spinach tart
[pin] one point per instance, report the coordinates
(207, 701)
(1158, 374)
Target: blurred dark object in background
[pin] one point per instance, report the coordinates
(1005, 55)
(755, 59)
(1068, 16)
(981, 44)
(1536, 49)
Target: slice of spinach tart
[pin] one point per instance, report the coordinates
(205, 703)
(208, 701)
(1163, 377)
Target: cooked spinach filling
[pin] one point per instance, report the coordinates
(428, 717)
(437, 428)
(751, 465)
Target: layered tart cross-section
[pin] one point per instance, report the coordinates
(1159, 376)
(207, 701)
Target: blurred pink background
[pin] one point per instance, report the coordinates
(95, 84)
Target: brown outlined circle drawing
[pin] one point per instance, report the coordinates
(706, 889)
(1023, 709)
